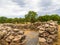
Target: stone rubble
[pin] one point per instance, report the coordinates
(11, 36)
(48, 33)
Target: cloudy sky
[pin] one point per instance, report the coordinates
(18, 8)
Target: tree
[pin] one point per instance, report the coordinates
(54, 17)
(9, 20)
(3, 19)
(21, 20)
(31, 16)
(16, 20)
(44, 18)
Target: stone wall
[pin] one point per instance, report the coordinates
(11, 34)
(48, 33)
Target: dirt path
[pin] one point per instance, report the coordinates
(32, 38)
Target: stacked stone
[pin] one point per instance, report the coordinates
(48, 33)
(10, 36)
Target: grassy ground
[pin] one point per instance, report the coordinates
(58, 42)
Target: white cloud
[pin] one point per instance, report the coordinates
(55, 5)
(50, 9)
(12, 9)
(32, 5)
(56, 1)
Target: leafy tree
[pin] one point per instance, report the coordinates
(21, 20)
(55, 17)
(16, 20)
(31, 16)
(3, 19)
(44, 18)
(9, 20)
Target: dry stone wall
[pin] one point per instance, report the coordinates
(11, 34)
(48, 33)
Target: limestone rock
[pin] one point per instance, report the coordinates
(42, 40)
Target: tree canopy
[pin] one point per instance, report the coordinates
(32, 17)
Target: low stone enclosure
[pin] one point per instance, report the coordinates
(12, 34)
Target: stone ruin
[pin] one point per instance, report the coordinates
(11, 34)
(48, 33)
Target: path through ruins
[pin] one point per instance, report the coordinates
(32, 38)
